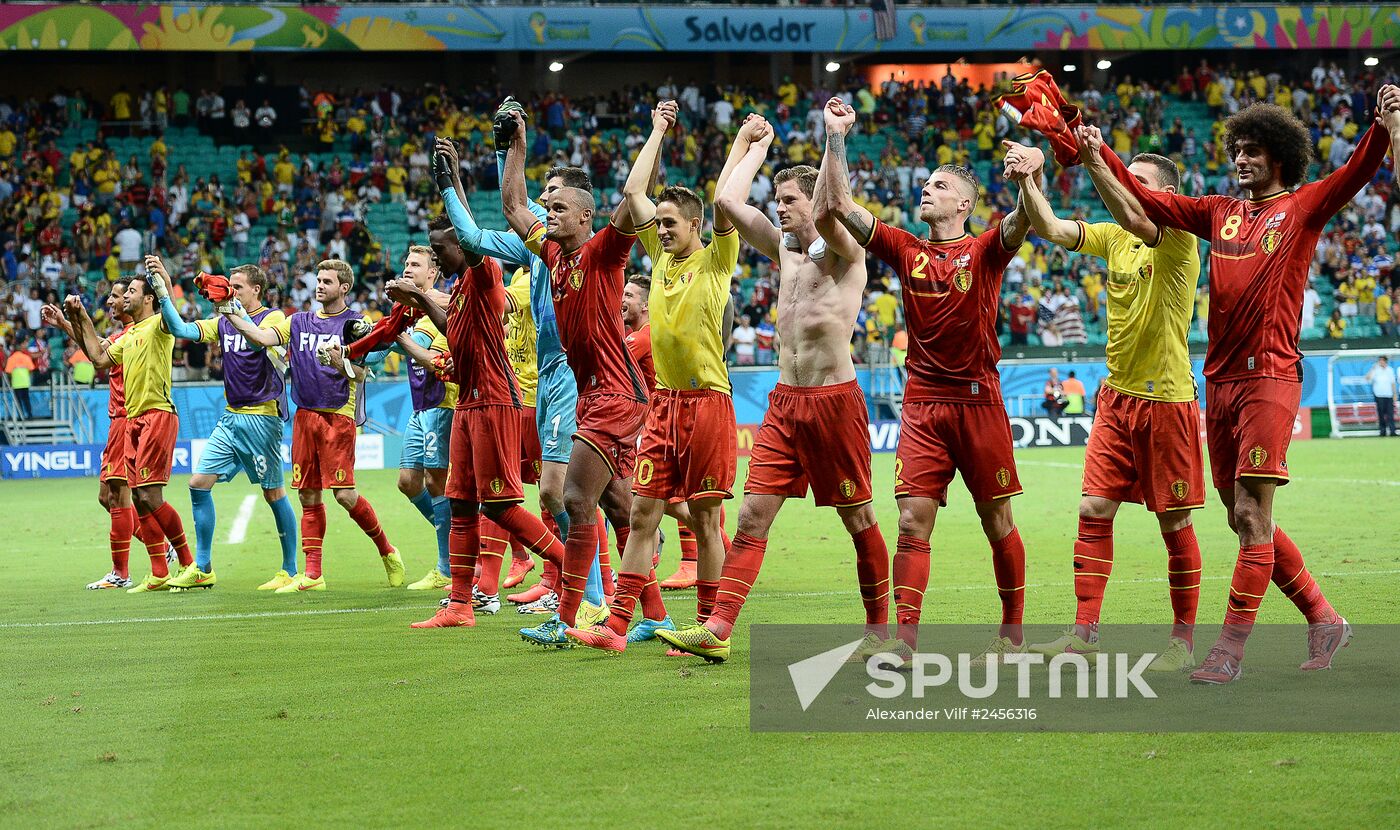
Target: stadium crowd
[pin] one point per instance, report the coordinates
(74, 223)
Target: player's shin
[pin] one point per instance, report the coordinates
(873, 575)
(912, 561)
(1247, 587)
(1093, 563)
(463, 547)
(313, 532)
(494, 541)
(579, 551)
(286, 519)
(1183, 580)
(119, 537)
(202, 506)
(1009, 565)
(1293, 579)
(442, 523)
(740, 572)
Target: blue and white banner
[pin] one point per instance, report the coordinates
(78, 460)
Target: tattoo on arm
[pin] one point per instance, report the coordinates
(859, 228)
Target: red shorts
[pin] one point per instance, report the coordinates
(150, 447)
(1249, 424)
(937, 438)
(1144, 451)
(484, 460)
(688, 448)
(114, 454)
(530, 453)
(323, 451)
(816, 434)
(609, 424)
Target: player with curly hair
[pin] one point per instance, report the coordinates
(1261, 250)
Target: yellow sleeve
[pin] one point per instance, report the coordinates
(519, 289)
(535, 238)
(282, 327)
(208, 330)
(117, 351)
(724, 254)
(1096, 239)
(439, 341)
(647, 234)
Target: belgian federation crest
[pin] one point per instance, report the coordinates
(145, 473)
(1179, 489)
(1145, 272)
(707, 483)
(1003, 477)
(340, 475)
(497, 486)
(576, 278)
(962, 280)
(1257, 456)
(848, 488)
(1271, 241)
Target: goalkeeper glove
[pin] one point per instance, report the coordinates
(503, 126)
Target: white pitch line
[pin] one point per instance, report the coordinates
(320, 612)
(238, 531)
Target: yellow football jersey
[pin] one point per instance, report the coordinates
(145, 354)
(520, 337)
(1151, 291)
(687, 302)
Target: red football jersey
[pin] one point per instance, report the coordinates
(951, 290)
(587, 286)
(116, 385)
(639, 346)
(476, 338)
(1260, 254)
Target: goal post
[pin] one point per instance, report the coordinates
(1350, 403)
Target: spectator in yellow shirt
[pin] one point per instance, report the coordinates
(1336, 326)
(121, 105)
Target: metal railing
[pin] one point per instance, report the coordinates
(67, 404)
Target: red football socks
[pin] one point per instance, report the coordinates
(579, 550)
(519, 523)
(911, 568)
(1293, 579)
(1009, 565)
(740, 572)
(705, 599)
(652, 606)
(1247, 587)
(492, 555)
(123, 528)
(313, 534)
(363, 514)
(873, 575)
(463, 547)
(174, 530)
(629, 586)
(689, 547)
(1093, 562)
(1183, 579)
(149, 532)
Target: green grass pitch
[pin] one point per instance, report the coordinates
(231, 708)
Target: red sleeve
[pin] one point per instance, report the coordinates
(994, 255)
(1321, 200)
(892, 246)
(1192, 215)
(614, 247)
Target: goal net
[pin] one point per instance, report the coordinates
(1350, 403)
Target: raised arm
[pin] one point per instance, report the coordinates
(1025, 165)
(159, 280)
(515, 201)
(86, 334)
(1326, 197)
(250, 330)
(411, 342)
(1126, 209)
(1182, 212)
(844, 225)
(753, 225)
(742, 139)
(1016, 224)
(52, 315)
(636, 191)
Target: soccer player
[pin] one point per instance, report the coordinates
(556, 396)
(248, 436)
(1145, 446)
(688, 446)
(328, 399)
(485, 443)
(423, 460)
(520, 348)
(816, 430)
(586, 277)
(953, 418)
(1261, 248)
(112, 491)
(144, 352)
